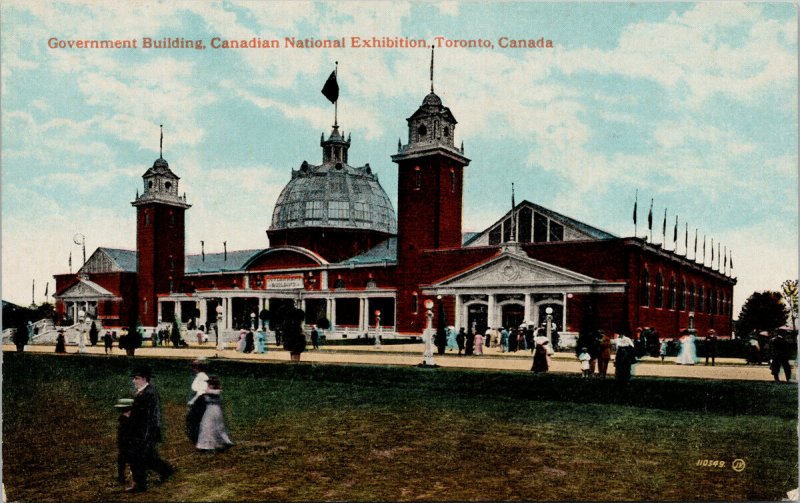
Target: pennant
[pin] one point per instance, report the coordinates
(331, 88)
(686, 239)
(664, 226)
(46, 289)
(695, 242)
(635, 206)
(650, 216)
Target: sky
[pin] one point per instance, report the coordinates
(689, 105)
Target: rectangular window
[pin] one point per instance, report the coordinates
(525, 217)
(506, 230)
(539, 228)
(313, 212)
(338, 210)
(361, 212)
(494, 236)
(556, 231)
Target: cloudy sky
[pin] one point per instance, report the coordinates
(693, 105)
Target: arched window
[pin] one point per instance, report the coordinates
(422, 131)
(659, 291)
(644, 289)
(671, 295)
(452, 180)
(417, 178)
(682, 297)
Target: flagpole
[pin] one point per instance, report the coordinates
(336, 103)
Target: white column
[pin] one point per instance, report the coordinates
(228, 313)
(203, 312)
(528, 300)
(246, 281)
(564, 312)
(536, 320)
(323, 281)
(178, 310)
(459, 307)
(158, 312)
(363, 325)
(75, 312)
(332, 307)
(492, 315)
(329, 309)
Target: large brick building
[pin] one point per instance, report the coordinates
(337, 251)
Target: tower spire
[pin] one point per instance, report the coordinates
(161, 143)
(431, 69)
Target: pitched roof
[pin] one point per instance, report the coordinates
(384, 252)
(218, 262)
(125, 259)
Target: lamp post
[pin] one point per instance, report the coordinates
(427, 336)
(252, 321)
(377, 329)
(549, 326)
(220, 342)
(82, 318)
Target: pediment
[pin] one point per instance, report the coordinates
(515, 270)
(85, 289)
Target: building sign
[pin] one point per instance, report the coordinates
(285, 282)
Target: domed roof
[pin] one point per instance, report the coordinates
(432, 99)
(334, 195)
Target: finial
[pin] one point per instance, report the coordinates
(462, 146)
(161, 143)
(431, 69)
(399, 145)
(137, 193)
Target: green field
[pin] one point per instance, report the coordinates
(336, 432)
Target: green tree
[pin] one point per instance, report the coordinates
(93, 333)
(762, 311)
(175, 334)
(789, 292)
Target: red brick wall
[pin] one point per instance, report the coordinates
(161, 255)
(334, 245)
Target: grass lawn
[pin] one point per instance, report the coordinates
(334, 432)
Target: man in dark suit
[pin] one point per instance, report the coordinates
(146, 431)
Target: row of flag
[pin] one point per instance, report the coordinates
(723, 257)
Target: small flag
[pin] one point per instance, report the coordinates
(46, 289)
(686, 239)
(70, 261)
(331, 88)
(650, 216)
(695, 242)
(664, 227)
(704, 249)
(712, 252)
(731, 260)
(675, 232)
(635, 206)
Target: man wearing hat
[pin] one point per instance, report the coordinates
(146, 427)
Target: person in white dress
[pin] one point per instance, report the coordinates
(687, 355)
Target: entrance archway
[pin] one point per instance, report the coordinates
(477, 314)
(512, 315)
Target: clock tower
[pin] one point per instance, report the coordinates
(160, 238)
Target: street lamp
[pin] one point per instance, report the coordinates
(549, 326)
(252, 321)
(427, 335)
(377, 329)
(220, 343)
(82, 319)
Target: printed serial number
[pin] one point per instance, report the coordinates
(712, 463)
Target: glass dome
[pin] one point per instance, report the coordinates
(334, 195)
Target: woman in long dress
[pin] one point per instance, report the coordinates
(687, 352)
(452, 343)
(261, 342)
(213, 434)
(478, 343)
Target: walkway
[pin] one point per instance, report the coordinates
(411, 355)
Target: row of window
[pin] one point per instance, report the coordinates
(314, 211)
(531, 227)
(688, 298)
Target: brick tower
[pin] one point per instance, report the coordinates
(429, 190)
(160, 238)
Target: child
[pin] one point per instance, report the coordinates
(124, 437)
(584, 358)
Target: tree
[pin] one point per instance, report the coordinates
(789, 292)
(133, 339)
(175, 334)
(762, 311)
(264, 317)
(294, 340)
(93, 333)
